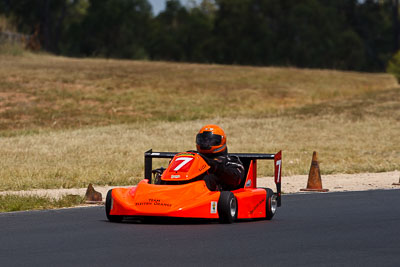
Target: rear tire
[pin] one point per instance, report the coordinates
(111, 218)
(227, 207)
(271, 204)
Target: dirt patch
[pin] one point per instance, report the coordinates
(290, 184)
(8, 100)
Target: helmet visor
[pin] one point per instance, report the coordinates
(207, 139)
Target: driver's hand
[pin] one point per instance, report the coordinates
(214, 164)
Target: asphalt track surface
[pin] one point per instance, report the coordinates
(329, 229)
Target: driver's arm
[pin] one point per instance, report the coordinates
(230, 170)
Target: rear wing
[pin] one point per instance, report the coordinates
(248, 159)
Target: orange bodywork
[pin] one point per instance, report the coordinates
(192, 200)
(186, 199)
(184, 167)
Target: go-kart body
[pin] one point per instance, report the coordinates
(182, 193)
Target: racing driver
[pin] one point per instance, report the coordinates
(226, 172)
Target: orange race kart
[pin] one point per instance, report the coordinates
(179, 191)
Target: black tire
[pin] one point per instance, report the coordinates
(271, 204)
(111, 218)
(227, 207)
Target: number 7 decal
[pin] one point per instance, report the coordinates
(278, 172)
(185, 160)
(278, 167)
(279, 164)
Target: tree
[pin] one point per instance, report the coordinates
(341, 34)
(44, 16)
(395, 9)
(374, 24)
(165, 40)
(116, 28)
(180, 34)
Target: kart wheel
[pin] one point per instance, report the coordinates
(109, 200)
(271, 204)
(227, 207)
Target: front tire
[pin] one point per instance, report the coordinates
(109, 200)
(227, 207)
(271, 204)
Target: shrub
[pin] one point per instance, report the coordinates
(394, 66)
(11, 49)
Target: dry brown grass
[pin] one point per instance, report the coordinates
(57, 93)
(114, 154)
(351, 119)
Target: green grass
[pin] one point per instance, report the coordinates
(69, 122)
(20, 203)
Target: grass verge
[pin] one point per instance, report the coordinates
(20, 203)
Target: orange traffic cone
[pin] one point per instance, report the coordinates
(92, 196)
(314, 177)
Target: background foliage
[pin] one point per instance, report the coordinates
(339, 34)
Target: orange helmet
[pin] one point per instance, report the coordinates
(211, 139)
